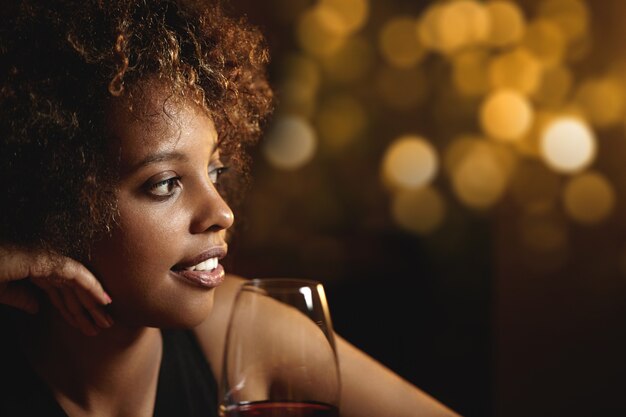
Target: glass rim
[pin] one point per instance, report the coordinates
(280, 282)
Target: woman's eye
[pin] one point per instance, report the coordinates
(215, 173)
(165, 188)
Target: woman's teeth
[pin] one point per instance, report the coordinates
(207, 265)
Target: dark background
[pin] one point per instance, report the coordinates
(466, 313)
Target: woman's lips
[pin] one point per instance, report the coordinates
(204, 279)
(202, 270)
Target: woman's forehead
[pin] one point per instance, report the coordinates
(158, 122)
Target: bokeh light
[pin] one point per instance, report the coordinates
(320, 32)
(517, 69)
(469, 73)
(290, 143)
(589, 198)
(530, 145)
(399, 44)
(341, 119)
(568, 145)
(506, 115)
(458, 149)
(508, 23)
(300, 83)
(351, 62)
(545, 41)
(479, 178)
(351, 14)
(602, 101)
(572, 16)
(421, 211)
(556, 83)
(460, 23)
(473, 19)
(428, 26)
(409, 162)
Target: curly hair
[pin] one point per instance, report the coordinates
(62, 60)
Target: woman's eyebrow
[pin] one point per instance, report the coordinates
(159, 157)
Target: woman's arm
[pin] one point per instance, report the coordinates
(368, 388)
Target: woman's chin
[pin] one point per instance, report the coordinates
(184, 315)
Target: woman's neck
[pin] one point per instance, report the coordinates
(113, 373)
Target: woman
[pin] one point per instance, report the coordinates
(124, 128)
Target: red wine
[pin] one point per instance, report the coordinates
(282, 409)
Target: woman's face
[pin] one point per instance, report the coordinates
(160, 264)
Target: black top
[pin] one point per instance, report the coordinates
(186, 385)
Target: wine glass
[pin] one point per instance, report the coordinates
(279, 357)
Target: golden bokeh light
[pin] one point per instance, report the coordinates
(399, 44)
(572, 16)
(556, 83)
(461, 23)
(508, 23)
(351, 15)
(420, 211)
(507, 72)
(530, 144)
(602, 101)
(580, 49)
(506, 115)
(457, 150)
(517, 69)
(479, 178)
(428, 24)
(351, 62)
(568, 145)
(290, 143)
(469, 75)
(299, 84)
(545, 41)
(340, 120)
(535, 187)
(401, 89)
(544, 231)
(473, 17)
(410, 162)
(319, 31)
(589, 198)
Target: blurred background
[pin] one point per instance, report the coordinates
(455, 173)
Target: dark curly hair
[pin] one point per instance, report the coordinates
(61, 61)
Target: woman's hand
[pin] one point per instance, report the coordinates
(71, 288)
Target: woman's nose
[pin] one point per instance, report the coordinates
(212, 212)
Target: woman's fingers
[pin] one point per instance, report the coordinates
(75, 305)
(70, 286)
(77, 311)
(54, 295)
(19, 263)
(72, 273)
(97, 312)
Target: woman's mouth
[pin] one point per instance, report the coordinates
(206, 274)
